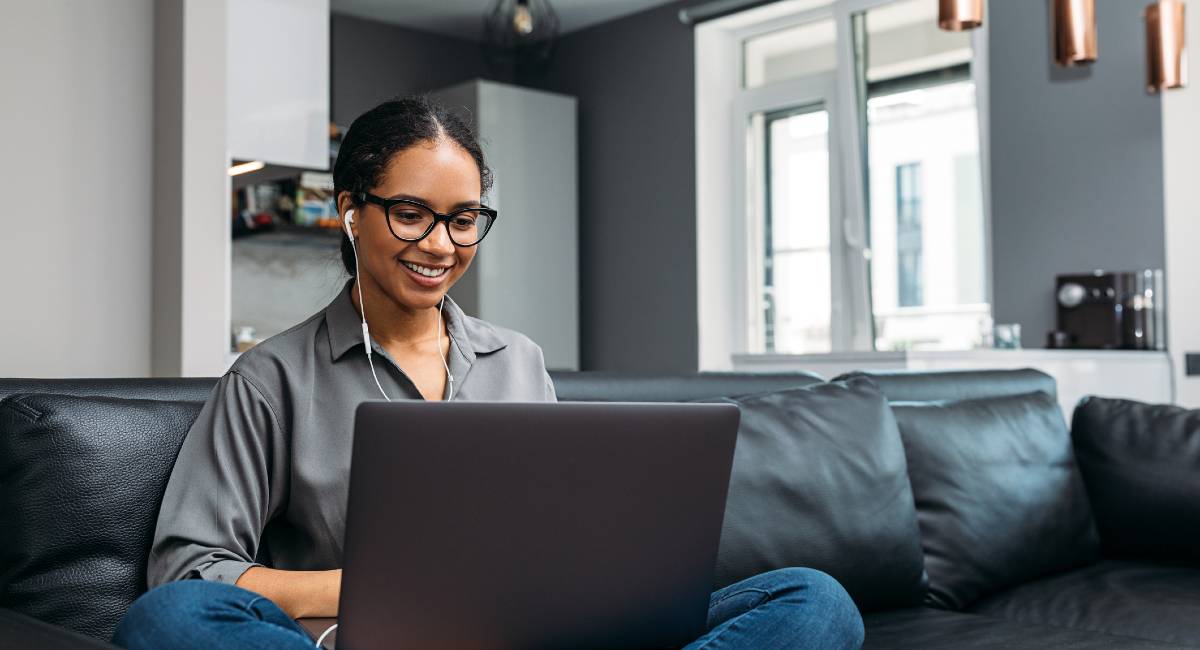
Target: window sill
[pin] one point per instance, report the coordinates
(1143, 375)
(902, 359)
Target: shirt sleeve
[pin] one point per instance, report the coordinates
(229, 480)
(551, 396)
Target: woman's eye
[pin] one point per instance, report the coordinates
(409, 217)
(463, 222)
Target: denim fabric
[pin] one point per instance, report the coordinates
(207, 614)
(782, 609)
(787, 608)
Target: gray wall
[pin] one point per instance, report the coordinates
(1076, 160)
(373, 61)
(637, 234)
(637, 177)
(77, 111)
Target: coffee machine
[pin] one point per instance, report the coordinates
(1109, 311)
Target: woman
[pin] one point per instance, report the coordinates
(255, 506)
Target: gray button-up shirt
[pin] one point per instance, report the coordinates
(263, 474)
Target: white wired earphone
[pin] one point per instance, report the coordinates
(362, 306)
(321, 639)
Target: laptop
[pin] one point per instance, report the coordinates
(522, 525)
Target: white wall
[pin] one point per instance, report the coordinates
(1181, 168)
(75, 173)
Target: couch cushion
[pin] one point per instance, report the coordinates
(178, 389)
(1141, 464)
(931, 629)
(1117, 597)
(20, 631)
(82, 479)
(998, 494)
(819, 480)
(936, 385)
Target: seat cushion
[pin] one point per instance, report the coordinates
(998, 494)
(819, 480)
(83, 480)
(20, 631)
(1141, 464)
(930, 629)
(1126, 598)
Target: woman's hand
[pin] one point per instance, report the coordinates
(300, 594)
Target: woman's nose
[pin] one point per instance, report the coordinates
(438, 242)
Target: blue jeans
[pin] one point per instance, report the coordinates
(787, 608)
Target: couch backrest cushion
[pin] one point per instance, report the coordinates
(81, 481)
(179, 389)
(591, 386)
(941, 385)
(998, 492)
(1141, 464)
(819, 480)
(602, 386)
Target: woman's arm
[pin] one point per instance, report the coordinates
(300, 594)
(229, 480)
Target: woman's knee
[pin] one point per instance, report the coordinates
(819, 592)
(185, 597)
(175, 606)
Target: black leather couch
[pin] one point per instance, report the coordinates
(957, 508)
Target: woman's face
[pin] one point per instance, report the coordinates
(443, 176)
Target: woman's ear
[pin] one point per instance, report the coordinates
(346, 207)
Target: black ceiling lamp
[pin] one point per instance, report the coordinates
(521, 31)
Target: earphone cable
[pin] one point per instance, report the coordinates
(362, 307)
(324, 634)
(449, 376)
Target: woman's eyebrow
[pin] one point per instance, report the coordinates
(423, 201)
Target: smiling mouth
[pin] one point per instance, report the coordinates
(427, 271)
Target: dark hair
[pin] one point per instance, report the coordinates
(386, 130)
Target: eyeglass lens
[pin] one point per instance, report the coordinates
(412, 222)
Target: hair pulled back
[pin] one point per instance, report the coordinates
(386, 130)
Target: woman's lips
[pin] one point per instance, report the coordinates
(425, 280)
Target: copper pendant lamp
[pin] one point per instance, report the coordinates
(1166, 46)
(960, 15)
(1074, 32)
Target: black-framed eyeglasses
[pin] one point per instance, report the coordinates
(412, 221)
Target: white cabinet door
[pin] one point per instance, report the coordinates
(278, 81)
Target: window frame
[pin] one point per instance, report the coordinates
(805, 91)
(908, 176)
(724, 276)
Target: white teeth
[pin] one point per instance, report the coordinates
(425, 270)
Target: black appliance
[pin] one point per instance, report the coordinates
(1108, 310)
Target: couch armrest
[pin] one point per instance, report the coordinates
(21, 631)
(1140, 463)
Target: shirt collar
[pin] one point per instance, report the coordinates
(470, 335)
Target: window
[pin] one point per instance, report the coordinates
(785, 119)
(857, 201)
(796, 231)
(908, 234)
(925, 200)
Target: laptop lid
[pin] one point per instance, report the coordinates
(504, 525)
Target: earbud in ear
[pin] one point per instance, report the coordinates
(347, 221)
